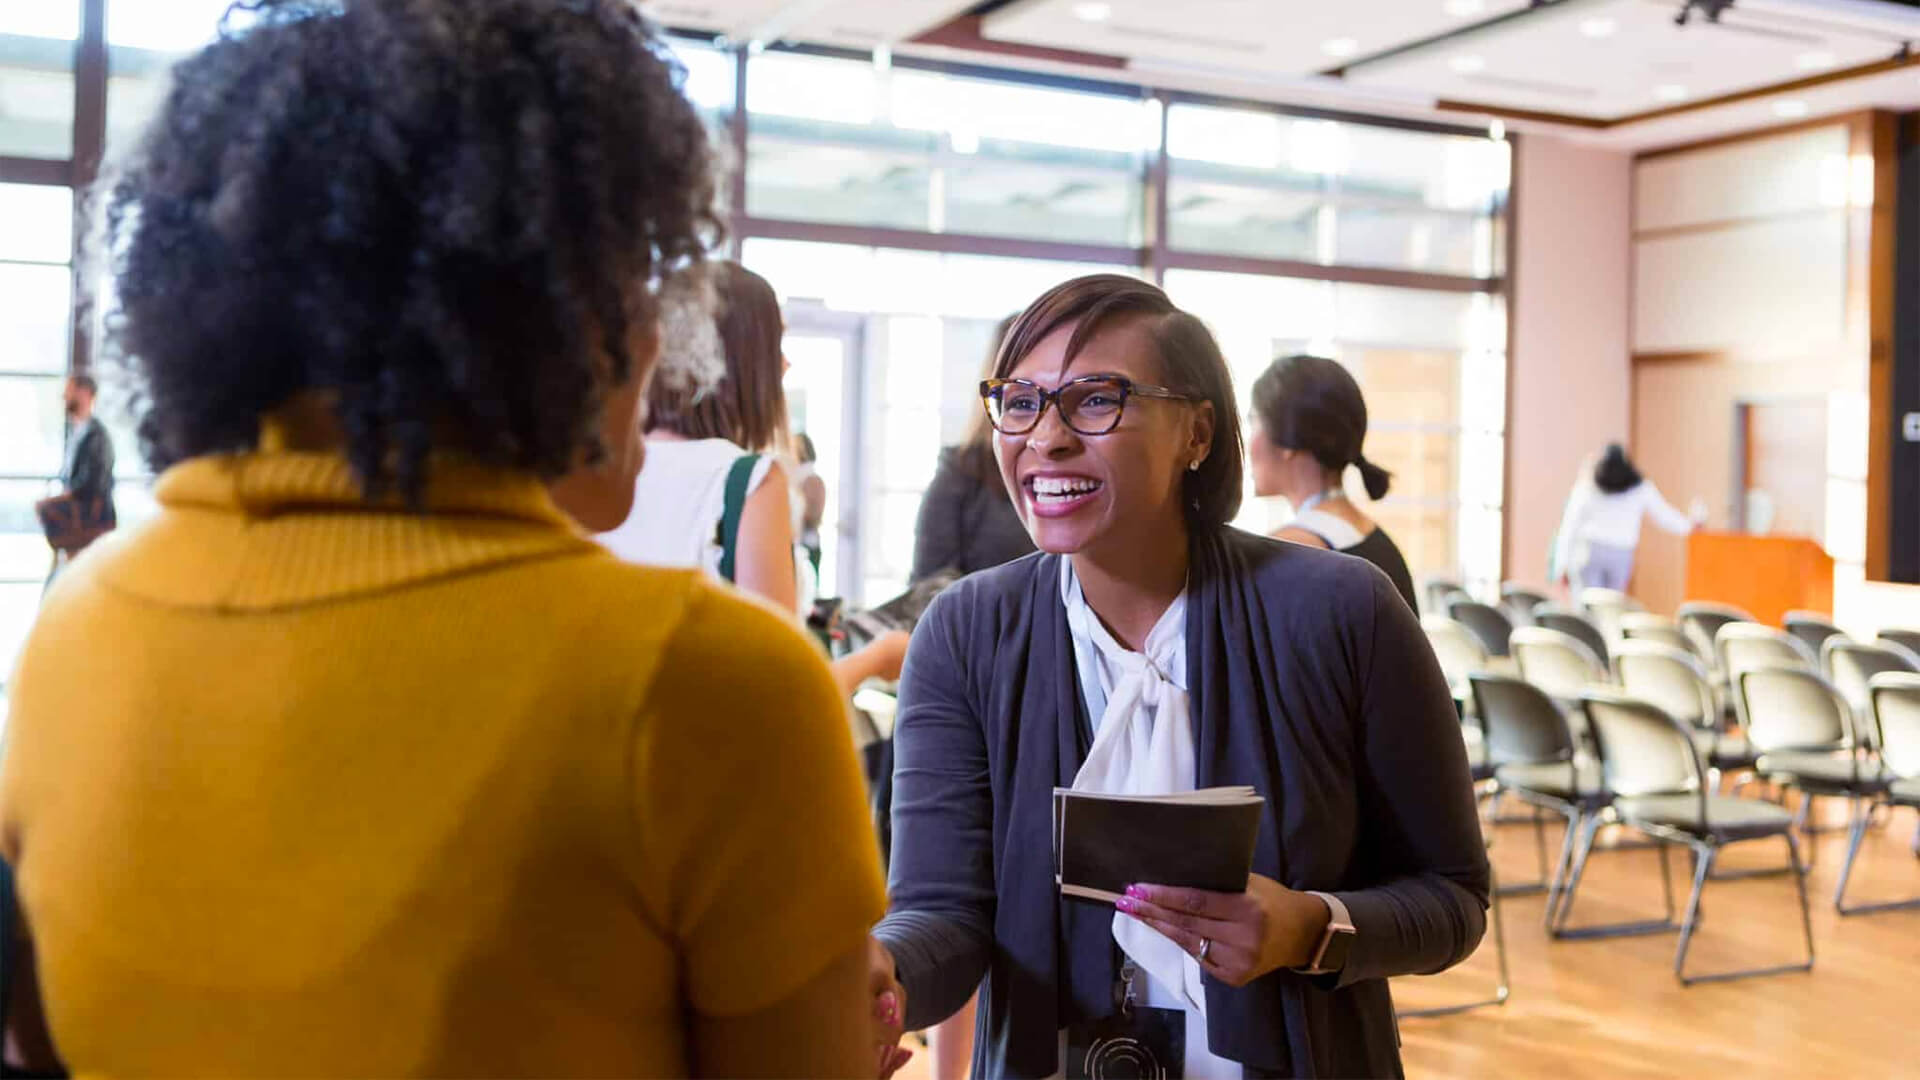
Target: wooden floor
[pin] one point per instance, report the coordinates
(1612, 1008)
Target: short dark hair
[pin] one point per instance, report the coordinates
(1616, 472)
(446, 215)
(85, 382)
(1314, 404)
(749, 406)
(1189, 358)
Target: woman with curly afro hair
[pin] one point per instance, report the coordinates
(360, 758)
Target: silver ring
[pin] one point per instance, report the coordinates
(1206, 946)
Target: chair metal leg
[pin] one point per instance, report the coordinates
(1862, 817)
(1707, 855)
(1548, 880)
(1496, 923)
(1562, 867)
(1557, 924)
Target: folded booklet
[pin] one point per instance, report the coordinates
(1196, 839)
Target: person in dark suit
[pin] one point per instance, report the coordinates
(967, 522)
(1150, 648)
(86, 478)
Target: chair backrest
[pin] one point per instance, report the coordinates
(1906, 639)
(1643, 751)
(1792, 708)
(1671, 678)
(1701, 623)
(1896, 713)
(1812, 628)
(1555, 662)
(1440, 593)
(1522, 724)
(1853, 664)
(1640, 626)
(1744, 646)
(1606, 606)
(1576, 626)
(1518, 602)
(1459, 652)
(1486, 623)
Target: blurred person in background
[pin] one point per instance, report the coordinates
(1600, 531)
(967, 522)
(83, 511)
(1309, 427)
(714, 493)
(359, 758)
(812, 491)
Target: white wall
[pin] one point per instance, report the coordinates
(1570, 383)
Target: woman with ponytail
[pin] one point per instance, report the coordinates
(1309, 421)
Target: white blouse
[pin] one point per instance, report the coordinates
(1143, 744)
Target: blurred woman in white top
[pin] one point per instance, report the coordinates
(1601, 529)
(698, 432)
(727, 327)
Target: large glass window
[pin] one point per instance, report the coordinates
(1433, 368)
(37, 41)
(36, 284)
(849, 142)
(1251, 182)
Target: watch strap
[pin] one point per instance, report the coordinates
(1339, 921)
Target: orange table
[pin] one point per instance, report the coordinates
(1766, 575)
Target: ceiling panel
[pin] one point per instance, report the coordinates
(1606, 59)
(1293, 37)
(860, 24)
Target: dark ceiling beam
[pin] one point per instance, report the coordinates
(1458, 33)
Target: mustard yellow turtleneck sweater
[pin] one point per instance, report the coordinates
(296, 785)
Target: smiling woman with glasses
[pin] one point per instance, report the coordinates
(1149, 648)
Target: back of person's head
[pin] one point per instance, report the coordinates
(84, 383)
(749, 404)
(1189, 360)
(1616, 472)
(803, 450)
(444, 218)
(1313, 404)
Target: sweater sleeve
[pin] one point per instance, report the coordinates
(1661, 511)
(759, 854)
(1426, 909)
(940, 926)
(938, 533)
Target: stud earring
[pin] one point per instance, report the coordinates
(1193, 466)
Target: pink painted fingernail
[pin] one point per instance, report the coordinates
(1137, 891)
(1126, 904)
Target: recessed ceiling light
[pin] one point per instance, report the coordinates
(1340, 47)
(1464, 9)
(1598, 28)
(1467, 64)
(1813, 61)
(1790, 109)
(1092, 11)
(1670, 92)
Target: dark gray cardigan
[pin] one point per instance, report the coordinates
(1310, 681)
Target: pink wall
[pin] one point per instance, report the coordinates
(1570, 382)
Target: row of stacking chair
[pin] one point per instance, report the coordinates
(1821, 713)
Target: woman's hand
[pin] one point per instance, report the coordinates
(888, 1011)
(1264, 929)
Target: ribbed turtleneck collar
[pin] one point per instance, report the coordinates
(281, 527)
